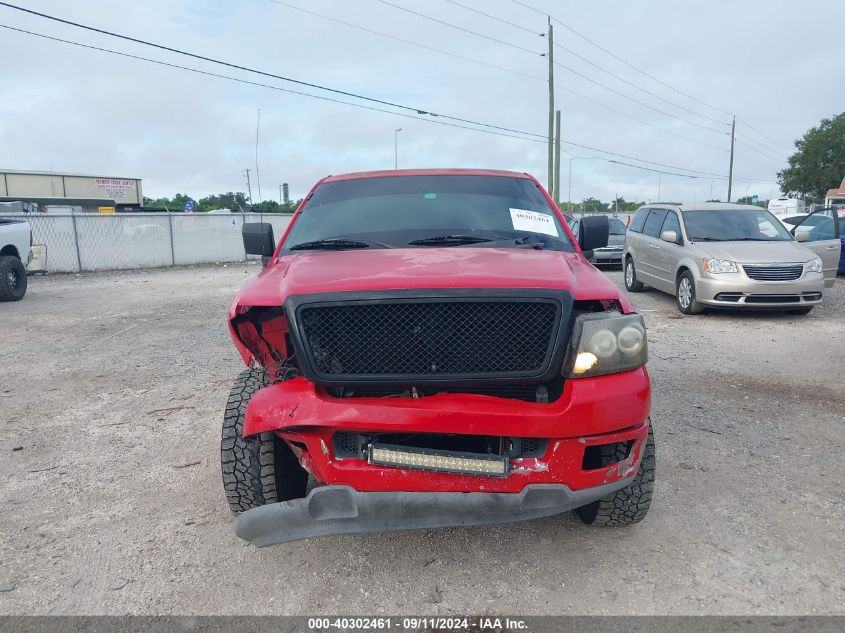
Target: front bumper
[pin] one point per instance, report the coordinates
(607, 256)
(736, 290)
(343, 510)
(590, 412)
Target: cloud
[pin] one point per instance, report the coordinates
(78, 110)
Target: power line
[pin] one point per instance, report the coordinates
(571, 70)
(760, 149)
(757, 151)
(261, 72)
(769, 147)
(640, 88)
(496, 67)
(460, 28)
(624, 61)
(771, 141)
(493, 17)
(537, 138)
(642, 103)
(652, 77)
(405, 41)
(588, 61)
(263, 85)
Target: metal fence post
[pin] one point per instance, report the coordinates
(170, 227)
(243, 222)
(76, 242)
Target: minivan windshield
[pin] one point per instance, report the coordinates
(420, 211)
(734, 225)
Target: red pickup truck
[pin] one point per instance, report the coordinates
(431, 348)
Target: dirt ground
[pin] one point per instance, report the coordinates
(111, 393)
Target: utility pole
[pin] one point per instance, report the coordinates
(731, 172)
(556, 188)
(551, 109)
(257, 175)
(658, 186)
(248, 187)
(569, 186)
(280, 195)
(396, 147)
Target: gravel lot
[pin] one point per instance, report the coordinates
(111, 393)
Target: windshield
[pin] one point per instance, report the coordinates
(734, 225)
(616, 226)
(425, 211)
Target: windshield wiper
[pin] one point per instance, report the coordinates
(337, 243)
(452, 240)
(460, 240)
(706, 239)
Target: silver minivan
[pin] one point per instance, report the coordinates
(729, 256)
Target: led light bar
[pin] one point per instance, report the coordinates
(440, 461)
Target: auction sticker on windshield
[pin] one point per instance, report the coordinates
(524, 220)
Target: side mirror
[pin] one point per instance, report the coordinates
(258, 239)
(669, 236)
(594, 233)
(801, 236)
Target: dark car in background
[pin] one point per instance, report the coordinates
(612, 253)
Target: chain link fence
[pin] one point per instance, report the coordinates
(93, 241)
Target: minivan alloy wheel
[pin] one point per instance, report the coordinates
(684, 293)
(629, 273)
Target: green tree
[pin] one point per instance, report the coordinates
(819, 162)
(593, 205)
(234, 201)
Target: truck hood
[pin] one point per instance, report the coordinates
(451, 267)
(757, 252)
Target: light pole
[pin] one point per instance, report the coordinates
(396, 148)
(280, 195)
(658, 186)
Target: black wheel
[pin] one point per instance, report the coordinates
(804, 310)
(631, 283)
(629, 505)
(12, 279)
(685, 294)
(260, 469)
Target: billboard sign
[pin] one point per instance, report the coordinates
(115, 188)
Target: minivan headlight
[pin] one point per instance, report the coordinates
(813, 266)
(606, 343)
(719, 266)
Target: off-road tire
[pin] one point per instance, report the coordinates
(260, 469)
(804, 310)
(629, 505)
(634, 285)
(693, 307)
(12, 279)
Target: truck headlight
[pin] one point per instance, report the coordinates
(606, 343)
(813, 266)
(719, 266)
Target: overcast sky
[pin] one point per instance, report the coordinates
(69, 109)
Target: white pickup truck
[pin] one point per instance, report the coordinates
(15, 255)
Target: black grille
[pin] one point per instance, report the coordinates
(763, 272)
(430, 339)
(773, 299)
